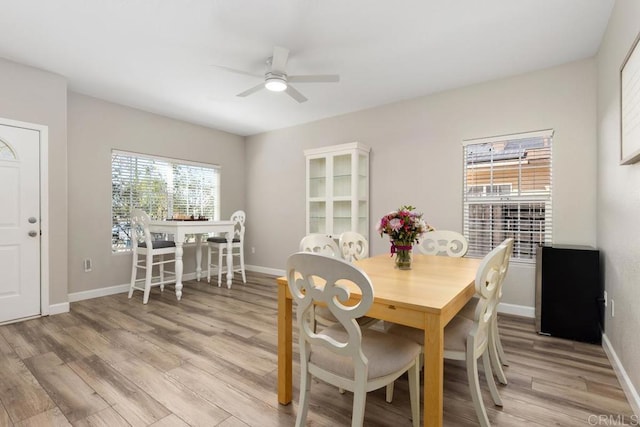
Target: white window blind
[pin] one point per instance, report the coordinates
(507, 192)
(164, 188)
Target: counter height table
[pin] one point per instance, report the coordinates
(180, 229)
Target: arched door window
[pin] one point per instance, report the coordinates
(6, 153)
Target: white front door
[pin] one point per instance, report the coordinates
(19, 223)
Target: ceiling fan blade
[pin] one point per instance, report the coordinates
(233, 70)
(318, 78)
(252, 90)
(295, 94)
(279, 60)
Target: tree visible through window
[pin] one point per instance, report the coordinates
(507, 193)
(164, 188)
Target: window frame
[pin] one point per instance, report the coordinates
(166, 165)
(527, 202)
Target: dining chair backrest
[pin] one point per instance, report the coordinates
(487, 281)
(316, 278)
(239, 217)
(443, 242)
(353, 246)
(140, 233)
(320, 244)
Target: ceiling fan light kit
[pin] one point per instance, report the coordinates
(275, 83)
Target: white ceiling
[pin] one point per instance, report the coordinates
(159, 55)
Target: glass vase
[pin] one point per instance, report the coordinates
(403, 251)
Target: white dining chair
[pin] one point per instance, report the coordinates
(148, 253)
(325, 245)
(496, 351)
(219, 244)
(443, 242)
(469, 339)
(353, 246)
(320, 244)
(345, 355)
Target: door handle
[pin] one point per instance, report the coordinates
(33, 233)
(32, 220)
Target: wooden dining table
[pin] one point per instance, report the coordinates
(426, 297)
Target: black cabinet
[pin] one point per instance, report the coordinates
(569, 293)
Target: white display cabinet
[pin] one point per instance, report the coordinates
(338, 189)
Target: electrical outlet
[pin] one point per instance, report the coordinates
(605, 298)
(87, 265)
(253, 249)
(613, 309)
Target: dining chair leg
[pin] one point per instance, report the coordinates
(414, 392)
(208, 263)
(134, 271)
(244, 276)
(495, 394)
(303, 401)
(220, 259)
(476, 394)
(389, 393)
(161, 268)
(503, 358)
(147, 277)
(493, 355)
(359, 402)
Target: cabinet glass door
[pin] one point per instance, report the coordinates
(341, 217)
(318, 177)
(363, 174)
(363, 218)
(317, 217)
(342, 176)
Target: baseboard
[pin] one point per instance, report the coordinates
(63, 307)
(96, 293)
(517, 310)
(112, 290)
(629, 390)
(265, 270)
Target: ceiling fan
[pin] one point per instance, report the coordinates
(276, 78)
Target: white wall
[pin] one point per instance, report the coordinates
(36, 96)
(416, 159)
(618, 206)
(95, 128)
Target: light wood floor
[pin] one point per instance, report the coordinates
(210, 360)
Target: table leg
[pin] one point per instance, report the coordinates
(229, 260)
(285, 346)
(198, 256)
(433, 369)
(179, 268)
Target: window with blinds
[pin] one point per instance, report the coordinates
(164, 188)
(507, 193)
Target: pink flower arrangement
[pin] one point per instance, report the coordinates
(404, 225)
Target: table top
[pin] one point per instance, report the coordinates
(432, 284)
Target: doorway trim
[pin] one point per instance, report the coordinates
(44, 207)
